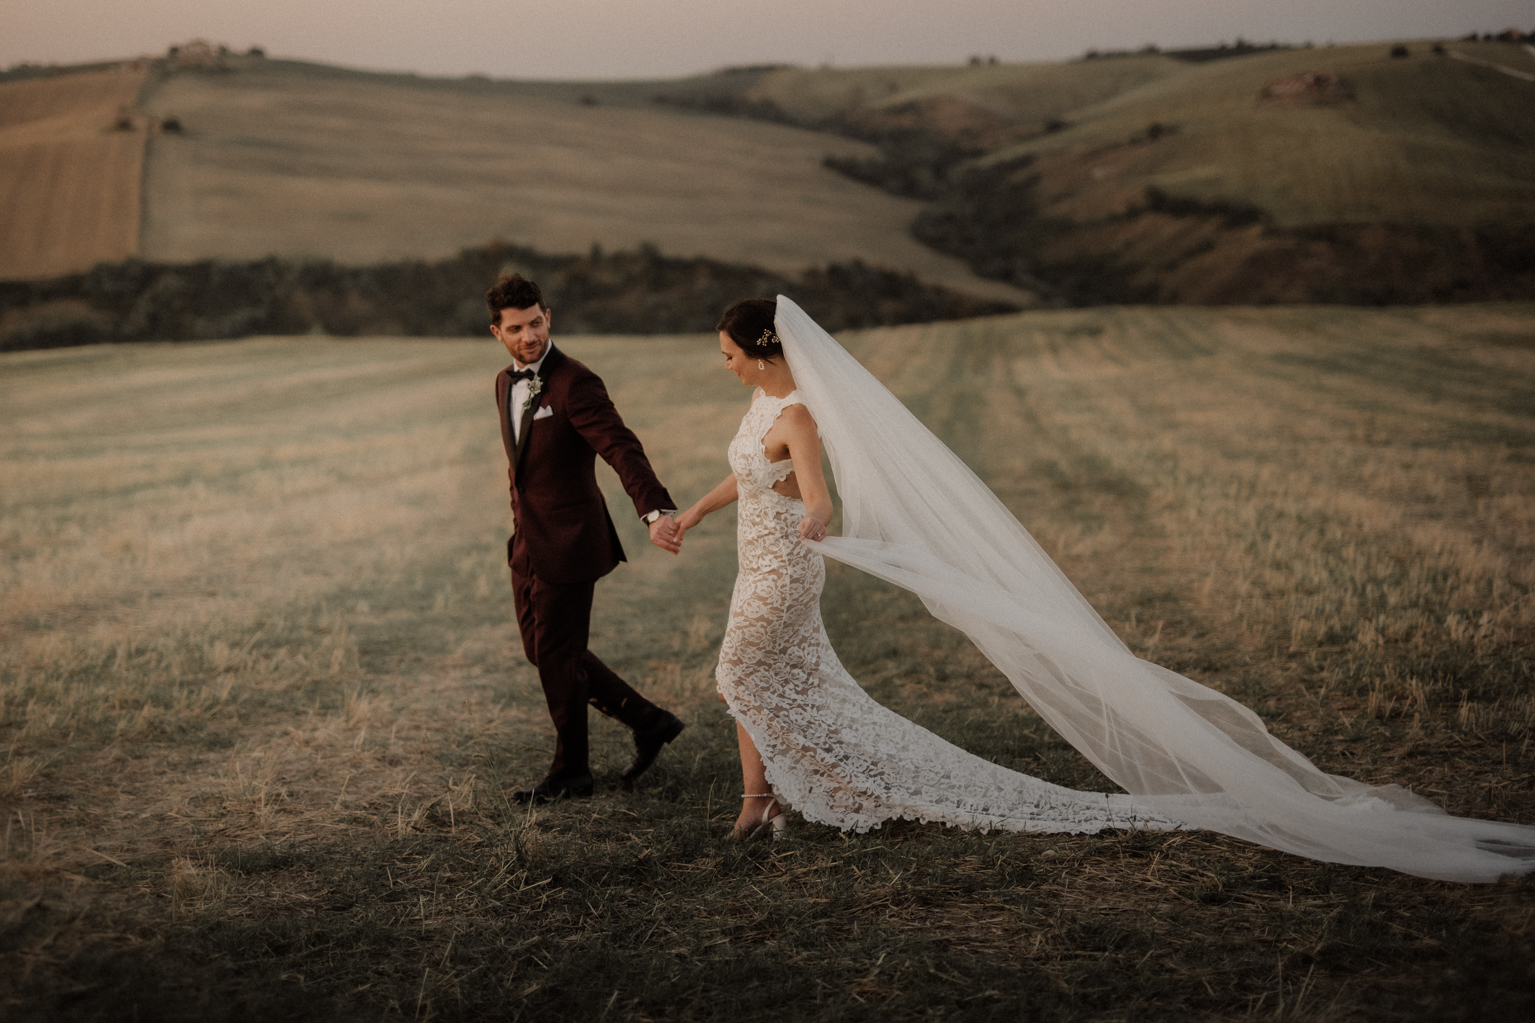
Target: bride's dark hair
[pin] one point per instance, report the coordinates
(749, 323)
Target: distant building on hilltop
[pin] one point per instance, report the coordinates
(197, 55)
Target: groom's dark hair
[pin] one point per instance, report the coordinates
(749, 323)
(513, 291)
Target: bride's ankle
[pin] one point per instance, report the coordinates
(759, 807)
(761, 815)
(755, 811)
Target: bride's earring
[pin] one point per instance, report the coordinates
(761, 365)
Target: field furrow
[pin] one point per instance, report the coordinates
(69, 182)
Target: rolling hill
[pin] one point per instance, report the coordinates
(1340, 173)
(1327, 174)
(1423, 139)
(362, 169)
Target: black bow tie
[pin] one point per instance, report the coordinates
(523, 374)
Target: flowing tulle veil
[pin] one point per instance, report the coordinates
(915, 515)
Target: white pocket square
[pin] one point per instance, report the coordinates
(543, 413)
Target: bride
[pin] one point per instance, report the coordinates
(916, 516)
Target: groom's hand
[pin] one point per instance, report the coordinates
(665, 534)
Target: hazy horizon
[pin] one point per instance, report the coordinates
(596, 39)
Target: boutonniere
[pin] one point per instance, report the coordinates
(535, 388)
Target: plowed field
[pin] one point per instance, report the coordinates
(69, 182)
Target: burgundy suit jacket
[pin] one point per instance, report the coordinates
(564, 533)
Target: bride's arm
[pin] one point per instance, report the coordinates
(805, 449)
(714, 500)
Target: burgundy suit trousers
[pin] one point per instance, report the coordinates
(555, 621)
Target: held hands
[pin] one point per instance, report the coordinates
(682, 523)
(665, 534)
(667, 531)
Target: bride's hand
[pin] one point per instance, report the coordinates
(812, 528)
(686, 521)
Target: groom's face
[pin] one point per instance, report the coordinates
(524, 332)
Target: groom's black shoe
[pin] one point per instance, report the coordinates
(576, 786)
(648, 743)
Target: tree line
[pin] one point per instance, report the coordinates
(628, 292)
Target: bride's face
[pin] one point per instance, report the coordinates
(737, 361)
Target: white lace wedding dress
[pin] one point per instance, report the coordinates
(831, 751)
(915, 515)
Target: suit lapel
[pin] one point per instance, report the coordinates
(504, 404)
(524, 430)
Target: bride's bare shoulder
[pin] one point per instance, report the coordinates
(797, 417)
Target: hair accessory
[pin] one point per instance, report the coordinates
(761, 364)
(768, 338)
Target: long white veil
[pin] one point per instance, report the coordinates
(915, 515)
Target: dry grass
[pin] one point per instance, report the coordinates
(262, 697)
(1427, 140)
(364, 169)
(69, 183)
(1024, 93)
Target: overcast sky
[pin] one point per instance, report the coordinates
(665, 38)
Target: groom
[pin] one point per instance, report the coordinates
(556, 418)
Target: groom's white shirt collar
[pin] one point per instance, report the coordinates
(519, 395)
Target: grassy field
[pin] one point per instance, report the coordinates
(261, 698)
(284, 159)
(69, 183)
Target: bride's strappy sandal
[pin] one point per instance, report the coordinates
(767, 826)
